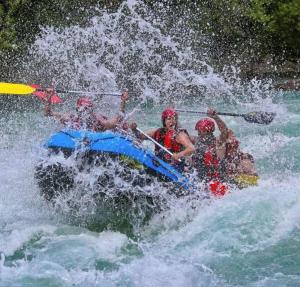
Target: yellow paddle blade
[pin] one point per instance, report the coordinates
(16, 89)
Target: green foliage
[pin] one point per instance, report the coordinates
(281, 20)
(251, 28)
(239, 27)
(21, 20)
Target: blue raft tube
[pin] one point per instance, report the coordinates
(101, 145)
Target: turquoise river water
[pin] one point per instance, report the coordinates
(249, 238)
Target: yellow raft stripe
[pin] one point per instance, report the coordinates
(16, 89)
(131, 162)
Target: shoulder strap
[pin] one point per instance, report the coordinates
(158, 134)
(182, 130)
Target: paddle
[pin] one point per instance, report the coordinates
(22, 89)
(155, 142)
(263, 118)
(25, 90)
(16, 89)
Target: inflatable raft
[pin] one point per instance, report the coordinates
(132, 163)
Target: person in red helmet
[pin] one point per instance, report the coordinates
(218, 159)
(171, 137)
(239, 167)
(84, 103)
(85, 117)
(206, 159)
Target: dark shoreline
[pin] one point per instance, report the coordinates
(285, 75)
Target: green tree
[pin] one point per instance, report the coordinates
(280, 19)
(22, 20)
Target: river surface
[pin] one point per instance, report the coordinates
(248, 238)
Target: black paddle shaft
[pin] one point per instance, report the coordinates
(205, 113)
(263, 118)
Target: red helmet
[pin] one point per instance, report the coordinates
(167, 113)
(84, 102)
(205, 125)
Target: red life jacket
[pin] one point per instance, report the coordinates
(205, 160)
(211, 162)
(213, 166)
(218, 188)
(209, 167)
(167, 138)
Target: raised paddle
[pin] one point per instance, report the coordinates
(16, 89)
(22, 89)
(27, 90)
(263, 118)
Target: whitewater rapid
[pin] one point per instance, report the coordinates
(248, 238)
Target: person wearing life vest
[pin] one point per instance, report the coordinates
(208, 155)
(239, 167)
(85, 117)
(207, 158)
(214, 156)
(171, 137)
